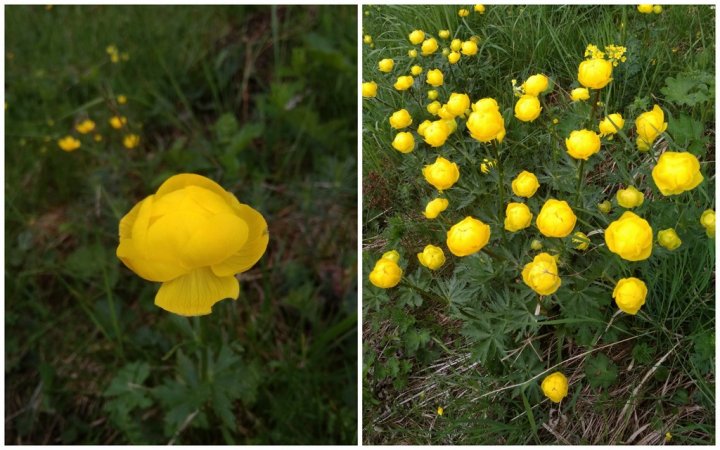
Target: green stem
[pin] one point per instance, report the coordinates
(501, 189)
(201, 333)
(580, 180)
(594, 107)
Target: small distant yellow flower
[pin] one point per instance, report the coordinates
(435, 78)
(582, 144)
(85, 127)
(440, 411)
(707, 220)
(386, 65)
(629, 294)
(456, 45)
(469, 48)
(115, 58)
(121, 99)
(611, 124)
(131, 141)
(525, 184)
(535, 85)
(536, 245)
(416, 70)
(486, 165)
(429, 46)
(479, 9)
(367, 39)
(645, 9)
(416, 37)
(669, 239)
(453, 57)
(541, 275)
(517, 217)
(580, 240)
(555, 387)
(668, 436)
(400, 119)
(118, 122)
(97, 137)
(432, 94)
(463, 12)
(412, 53)
(605, 206)
(386, 274)
(404, 142)
(527, 108)
(475, 39)
(435, 207)
(369, 89)
(69, 143)
(468, 236)
(657, 9)
(579, 94)
(404, 82)
(442, 174)
(677, 172)
(432, 257)
(629, 197)
(444, 34)
(556, 218)
(110, 49)
(555, 121)
(630, 237)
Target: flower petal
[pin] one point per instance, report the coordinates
(254, 248)
(194, 294)
(183, 180)
(224, 235)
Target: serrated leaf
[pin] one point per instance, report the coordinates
(600, 371)
(687, 89)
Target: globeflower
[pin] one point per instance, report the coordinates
(579, 94)
(369, 89)
(69, 143)
(707, 220)
(468, 236)
(629, 294)
(458, 103)
(416, 70)
(677, 172)
(193, 236)
(432, 257)
(416, 37)
(392, 255)
(429, 46)
(595, 73)
(435, 207)
(434, 107)
(85, 127)
(649, 125)
(606, 125)
(442, 174)
(556, 219)
(535, 85)
(525, 184)
(605, 206)
(630, 237)
(386, 274)
(403, 83)
(555, 387)
(131, 141)
(400, 119)
(386, 65)
(435, 78)
(463, 12)
(527, 108)
(582, 144)
(118, 122)
(517, 217)
(630, 197)
(453, 57)
(432, 94)
(669, 239)
(480, 9)
(469, 48)
(580, 240)
(444, 34)
(367, 39)
(404, 142)
(412, 53)
(422, 127)
(486, 123)
(541, 275)
(645, 9)
(437, 133)
(456, 45)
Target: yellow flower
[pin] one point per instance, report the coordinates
(369, 89)
(386, 274)
(541, 275)
(649, 125)
(404, 142)
(435, 207)
(400, 119)
(412, 53)
(555, 387)
(469, 48)
(121, 99)
(611, 124)
(367, 39)
(435, 77)
(525, 184)
(445, 113)
(629, 294)
(707, 219)
(463, 12)
(657, 9)
(580, 240)
(453, 57)
(517, 217)
(386, 65)
(422, 127)
(458, 103)
(479, 9)
(440, 411)
(485, 122)
(595, 73)
(429, 46)
(442, 173)
(117, 122)
(468, 236)
(630, 237)
(416, 37)
(97, 137)
(486, 165)
(404, 82)
(452, 125)
(455, 45)
(556, 219)
(193, 236)
(669, 239)
(536, 245)
(437, 133)
(85, 127)
(434, 107)
(605, 206)
(535, 85)
(645, 9)
(432, 257)
(432, 94)
(131, 141)
(527, 108)
(416, 70)
(392, 255)
(677, 172)
(582, 144)
(668, 435)
(579, 94)
(444, 34)
(69, 143)
(630, 197)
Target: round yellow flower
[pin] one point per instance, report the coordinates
(392, 255)
(707, 220)
(469, 48)
(437, 133)
(606, 125)
(416, 70)
(541, 275)
(442, 173)
(432, 257)
(432, 94)
(555, 387)
(400, 119)
(458, 103)
(422, 127)
(416, 37)
(605, 206)
(369, 89)
(445, 113)
(582, 144)
(122, 99)
(131, 141)
(455, 45)
(118, 122)
(480, 9)
(645, 9)
(435, 207)
(579, 94)
(444, 34)
(453, 57)
(486, 123)
(630, 197)
(386, 274)
(527, 108)
(367, 39)
(69, 144)
(556, 219)
(536, 245)
(463, 12)
(535, 85)
(468, 236)
(435, 78)
(517, 217)
(434, 107)
(404, 142)
(649, 125)
(404, 83)
(429, 46)
(85, 127)
(580, 240)
(629, 294)
(669, 239)
(595, 73)
(386, 65)
(525, 184)
(630, 237)
(193, 236)
(412, 53)
(657, 9)
(677, 172)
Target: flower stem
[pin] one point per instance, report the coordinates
(581, 168)
(501, 189)
(594, 106)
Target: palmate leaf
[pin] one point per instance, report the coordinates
(488, 333)
(689, 88)
(600, 371)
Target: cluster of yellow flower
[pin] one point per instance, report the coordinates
(649, 9)
(70, 143)
(115, 55)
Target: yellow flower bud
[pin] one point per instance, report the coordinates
(369, 89)
(435, 78)
(435, 207)
(444, 34)
(445, 113)
(629, 294)
(582, 144)
(404, 142)
(630, 237)
(645, 9)
(386, 65)
(117, 122)
(677, 172)
(579, 94)
(442, 173)
(468, 236)
(630, 197)
(580, 240)
(595, 73)
(525, 184)
(606, 125)
(707, 219)
(432, 94)
(657, 9)
(458, 103)
(416, 37)
(536, 245)
(541, 275)
(429, 46)
(422, 127)
(131, 141)
(392, 255)
(456, 45)
(445, 51)
(605, 206)
(453, 57)
(85, 127)
(650, 124)
(480, 9)
(400, 119)
(69, 144)
(432, 257)
(469, 48)
(404, 83)
(669, 239)
(527, 108)
(367, 39)
(437, 133)
(412, 53)
(517, 217)
(386, 274)
(463, 12)
(535, 85)
(555, 387)
(416, 70)
(434, 107)
(556, 219)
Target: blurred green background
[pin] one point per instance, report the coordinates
(263, 101)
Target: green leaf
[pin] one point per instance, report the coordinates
(600, 371)
(689, 88)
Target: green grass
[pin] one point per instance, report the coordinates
(467, 337)
(259, 99)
